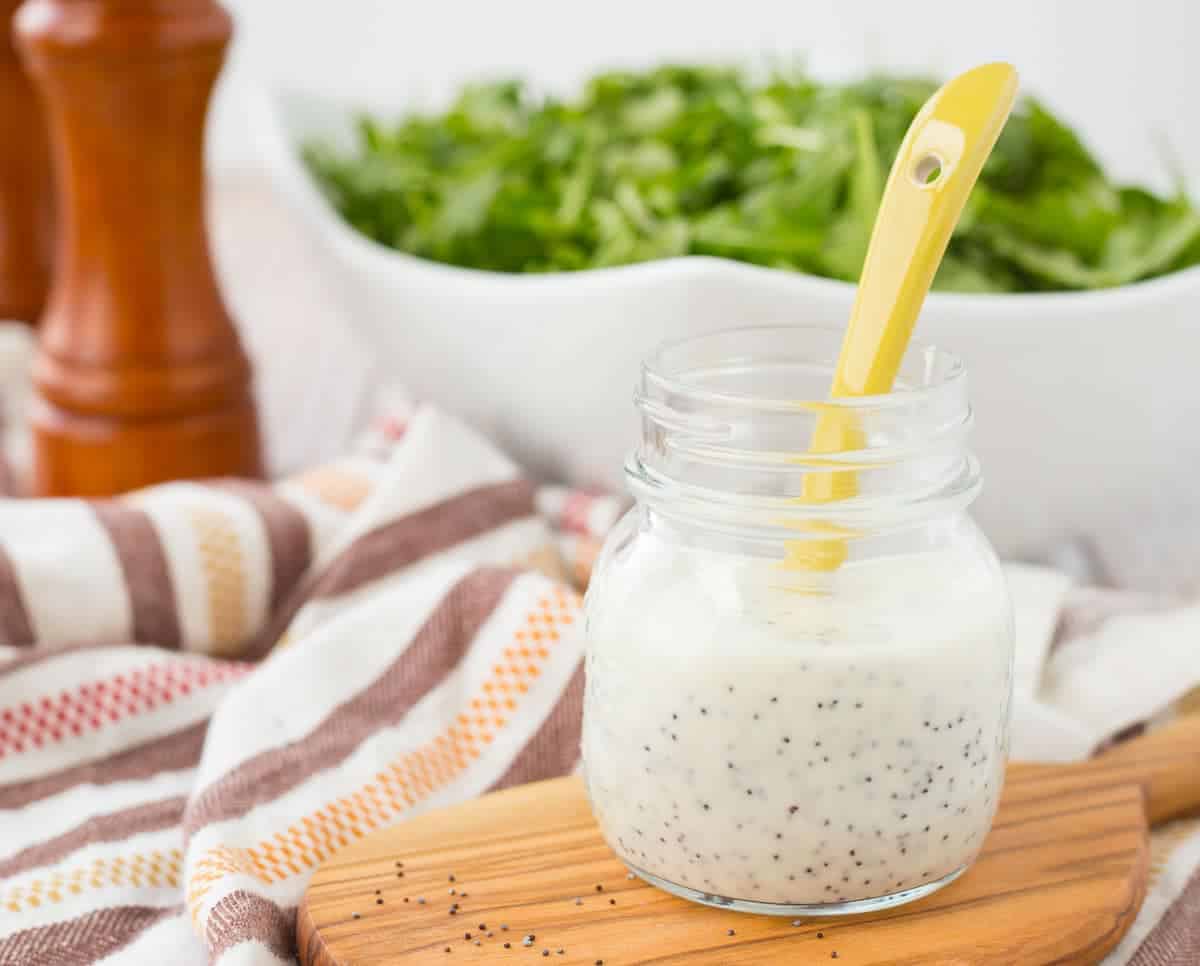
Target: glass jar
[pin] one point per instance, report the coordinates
(763, 731)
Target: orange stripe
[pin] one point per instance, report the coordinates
(398, 786)
(136, 869)
(225, 578)
(336, 487)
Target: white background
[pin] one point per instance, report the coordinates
(1126, 71)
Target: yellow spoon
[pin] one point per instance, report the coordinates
(933, 174)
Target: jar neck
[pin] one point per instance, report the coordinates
(725, 449)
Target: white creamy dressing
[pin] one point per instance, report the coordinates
(749, 741)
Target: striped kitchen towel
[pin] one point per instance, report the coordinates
(164, 794)
(208, 688)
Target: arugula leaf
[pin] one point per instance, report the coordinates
(779, 170)
(1133, 253)
(850, 233)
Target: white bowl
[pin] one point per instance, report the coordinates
(1087, 405)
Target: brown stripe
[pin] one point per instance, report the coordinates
(171, 752)
(147, 578)
(287, 534)
(1128, 733)
(15, 629)
(1176, 938)
(8, 479)
(83, 940)
(395, 545)
(434, 652)
(243, 917)
(554, 748)
(402, 542)
(123, 824)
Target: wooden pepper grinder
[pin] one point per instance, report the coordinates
(26, 187)
(140, 376)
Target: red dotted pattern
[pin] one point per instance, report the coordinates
(98, 704)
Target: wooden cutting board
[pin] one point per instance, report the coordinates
(1060, 880)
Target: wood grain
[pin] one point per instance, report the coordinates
(1060, 879)
(140, 376)
(26, 187)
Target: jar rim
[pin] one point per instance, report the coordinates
(720, 439)
(944, 371)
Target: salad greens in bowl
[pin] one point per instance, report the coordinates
(513, 257)
(782, 171)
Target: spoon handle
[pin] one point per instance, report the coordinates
(935, 169)
(937, 166)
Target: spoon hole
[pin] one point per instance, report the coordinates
(928, 170)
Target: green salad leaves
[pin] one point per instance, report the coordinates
(781, 171)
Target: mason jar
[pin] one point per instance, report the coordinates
(799, 663)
